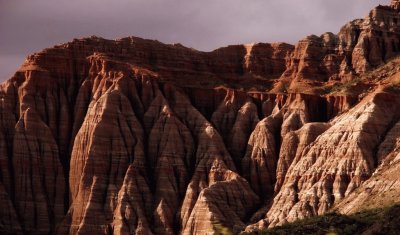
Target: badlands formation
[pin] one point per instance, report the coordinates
(133, 136)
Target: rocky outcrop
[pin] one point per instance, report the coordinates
(38, 175)
(382, 188)
(395, 4)
(293, 145)
(337, 104)
(8, 216)
(109, 140)
(359, 46)
(132, 136)
(336, 163)
(259, 163)
(305, 63)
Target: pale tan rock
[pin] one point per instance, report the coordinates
(293, 145)
(383, 187)
(227, 194)
(338, 162)
(381, 190)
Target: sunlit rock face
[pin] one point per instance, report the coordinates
(133, 136)
(395, 4)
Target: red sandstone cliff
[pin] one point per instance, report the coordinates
(133, 136)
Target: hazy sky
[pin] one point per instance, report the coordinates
(27, 26)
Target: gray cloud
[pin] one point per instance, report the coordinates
(27, 26)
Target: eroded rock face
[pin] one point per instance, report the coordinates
(395, 4)
(133, 136)
(382, 188)
(293, 145)
(261, 157)
(336, 163)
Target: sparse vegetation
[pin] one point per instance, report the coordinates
(377, 221)
(393, 86)
(344, 87)
(384, 70)
(222, 230)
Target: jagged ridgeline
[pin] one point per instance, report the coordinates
(133, 136)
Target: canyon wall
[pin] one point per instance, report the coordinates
(132, 136)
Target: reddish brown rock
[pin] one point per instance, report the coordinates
(214, 170)
(267, 59)
(171, 157)
(235, 119)
(224, 116)
(259, 163)
(8, 216)
(337, 104)
(109, 140)
(246, 120)
(134, 205)
(359, 46)
(132, 136)
(395, 4)
(305, 63)
(38, 174)
(375, 46)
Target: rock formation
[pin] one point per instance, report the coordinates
(395, 4)
(132, 136)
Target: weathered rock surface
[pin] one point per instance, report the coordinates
(259, 163)
(336, 163)
(133, 136)
(382, 189)
(395, 4)
(293, 145)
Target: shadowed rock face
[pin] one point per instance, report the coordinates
(133, 136)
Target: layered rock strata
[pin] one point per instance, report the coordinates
(133, 136)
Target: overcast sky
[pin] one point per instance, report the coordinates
(27, 26)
